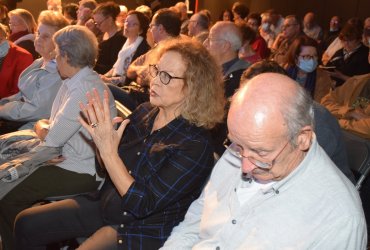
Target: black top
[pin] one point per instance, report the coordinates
(329, 136)
(108, 52)
(170, 167)
(356, 64)
(30, 47)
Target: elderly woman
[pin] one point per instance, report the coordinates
(105, 20)
(163, 159)
(23, 26)
(301, 65)
(135, 29)
(38, 84)
(76, 52)
(13, 60)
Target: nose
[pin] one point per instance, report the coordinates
(154, 81)
(247, 166)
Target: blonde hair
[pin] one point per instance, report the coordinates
(52, 18)
(205, 102)
(26, 17)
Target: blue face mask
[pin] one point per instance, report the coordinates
(4, 48)
(307, 66)
(265, 26)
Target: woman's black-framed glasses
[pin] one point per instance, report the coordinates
(164, 76)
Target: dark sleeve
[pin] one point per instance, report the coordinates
(30, 47)
(183, 171)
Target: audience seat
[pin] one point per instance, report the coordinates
(122, 111)
(358, 151)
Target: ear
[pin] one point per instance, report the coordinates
(304, 138)
(227, 45)
(160, 27)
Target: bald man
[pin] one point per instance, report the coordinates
(275, 188)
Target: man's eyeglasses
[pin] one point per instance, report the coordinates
(285, 26)
(164, 77)
(100, 23)
(152, 25)
(211, 39)
(237, 151)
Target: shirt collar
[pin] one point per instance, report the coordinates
(70, 82)
(226, 66)
(51, 66)
(307, 160)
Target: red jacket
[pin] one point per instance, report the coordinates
(14, 63)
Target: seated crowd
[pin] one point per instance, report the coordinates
(233, 141)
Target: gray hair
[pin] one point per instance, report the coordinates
(229, 32)
(298, 112)
(52, 18)
(79, 44)
(203, 20)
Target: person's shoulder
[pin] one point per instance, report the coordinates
(144, 45)
(327, 182)
(18, 50)
(145, 109)
(118, 37)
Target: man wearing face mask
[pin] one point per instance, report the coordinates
(265, 31)
(13, 60)
(301, 65)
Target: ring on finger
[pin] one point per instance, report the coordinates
(94, 125)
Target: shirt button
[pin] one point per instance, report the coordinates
(122, 226)
(138, 153)
(233, 221)
(125, 213)
(218, 248)
(120, 241)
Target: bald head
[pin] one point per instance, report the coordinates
(229, 32)
(270, 122)
(271, 103)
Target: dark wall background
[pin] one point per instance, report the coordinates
(324, 9)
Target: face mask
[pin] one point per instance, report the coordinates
(265, 26)
(307, 66)
(4, 48)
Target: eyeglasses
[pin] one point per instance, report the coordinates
(285, 26)
(100, 23)
(14, 24)
(237, 151)
(308, 57)
(152, 25)
(210, 39)
(43, 36)
(164, 77)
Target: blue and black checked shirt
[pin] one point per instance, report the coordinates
(170, 167)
